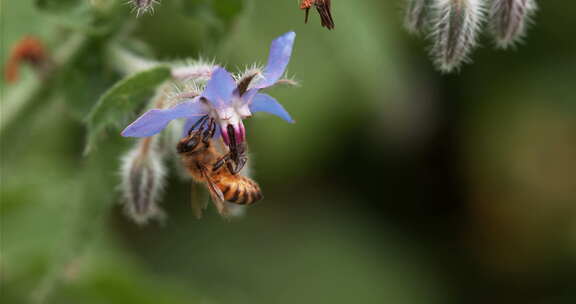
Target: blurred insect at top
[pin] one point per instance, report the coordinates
(142, 7)
(323, 8)
(27, 50)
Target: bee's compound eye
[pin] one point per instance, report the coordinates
(188, 145)
(192, 143)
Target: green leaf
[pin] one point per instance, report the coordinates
(218, 13)
(86, 75)
(95, 18)
(119, 103)
(228, 10)
(193, 7)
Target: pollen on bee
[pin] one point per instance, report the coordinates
(306, 4)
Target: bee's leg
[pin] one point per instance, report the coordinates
(242, 162)
(201, 128)
(239, 158)
(232, 167)
(213, 128)
(209, 133)
(223, 160)
(200, 123)
(237, 166)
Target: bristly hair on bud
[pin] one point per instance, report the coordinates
(199, 69)
(509, 20)
(143, 6)
(416, 17)
(254, 73)
(143, 174)
(455, 26)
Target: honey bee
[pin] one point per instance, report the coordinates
(323, 8)
(218, 171)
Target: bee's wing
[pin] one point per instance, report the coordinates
(199, 200)
(215, 193)
(323, 8)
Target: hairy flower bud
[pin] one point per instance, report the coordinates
(455, 26)
(416, 15)
(143, 176)
(143, 6)
(509, 19)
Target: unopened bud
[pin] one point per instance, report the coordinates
(455, 26)
(143, 6)
(416, 15)
(143, 176)
(509, 20)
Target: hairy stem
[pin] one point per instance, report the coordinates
(127, 62)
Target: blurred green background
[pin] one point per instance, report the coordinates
(396, 185)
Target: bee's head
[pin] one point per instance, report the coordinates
(192, 143)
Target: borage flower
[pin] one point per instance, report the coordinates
(225, 100)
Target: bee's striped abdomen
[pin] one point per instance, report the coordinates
(240, 190)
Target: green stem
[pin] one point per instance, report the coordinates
(129, 63)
